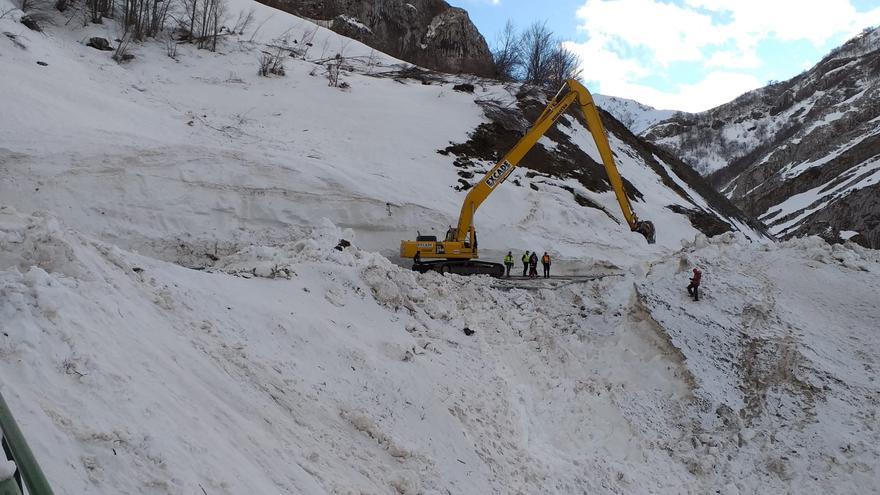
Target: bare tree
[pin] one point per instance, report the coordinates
(244, 20)
(218, 13)
(333, 73)
(141, 18)
(204, 21)
(272, 63)
(508, 53)
(121, 54)
(563, 65)
(538, 47)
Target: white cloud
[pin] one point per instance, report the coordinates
(612, 67)
(734, 59)
(629, 39)
(714, 89)
(789, 20)
(670, 32)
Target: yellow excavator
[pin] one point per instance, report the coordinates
(457, 253)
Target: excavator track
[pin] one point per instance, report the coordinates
(461, 267)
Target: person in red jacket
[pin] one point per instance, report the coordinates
(695, 284)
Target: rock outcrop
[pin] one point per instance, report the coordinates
(429, 33)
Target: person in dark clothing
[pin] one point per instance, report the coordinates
(533, 265)
(545, 260)
(525, 260)
(694, 286)
(508, 263)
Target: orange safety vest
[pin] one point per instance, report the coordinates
(545, 258)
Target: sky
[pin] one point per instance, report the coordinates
(688, 55)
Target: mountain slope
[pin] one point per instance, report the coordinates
(567, 151)
(794, 152)
(636, 116)
(233, 157)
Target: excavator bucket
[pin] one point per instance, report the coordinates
(646, 228)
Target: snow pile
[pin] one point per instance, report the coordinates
(354, 374)
(782, 347)
(274, 262)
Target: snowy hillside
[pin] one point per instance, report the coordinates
(802, 155)
(283, 365)
(636, 116)
(199, 155)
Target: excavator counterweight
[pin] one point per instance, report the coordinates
(458, 251)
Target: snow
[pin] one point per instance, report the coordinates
(848, 234)
(638, 117)
(7, 469)
(355, 22)
(808, 202)
(770, 305)
(794, 170)
(354, 375)
(218, 157)
(436, 23)
(698, 200)
(287, 366)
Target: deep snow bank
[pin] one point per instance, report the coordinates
(344, 375)
(783, 346)
(347, 374)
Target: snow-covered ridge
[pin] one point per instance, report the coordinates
(638, 117)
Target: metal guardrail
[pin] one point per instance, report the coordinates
(17, 450)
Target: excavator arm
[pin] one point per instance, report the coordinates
(457, 252)
(571, 92)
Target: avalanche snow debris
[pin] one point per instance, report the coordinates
(559, 390)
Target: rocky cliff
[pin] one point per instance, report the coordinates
(804, 154)
(429, 33)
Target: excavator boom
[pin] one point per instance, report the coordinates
(460, 243)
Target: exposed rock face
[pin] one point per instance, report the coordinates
(429, 33)
(803, 155)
